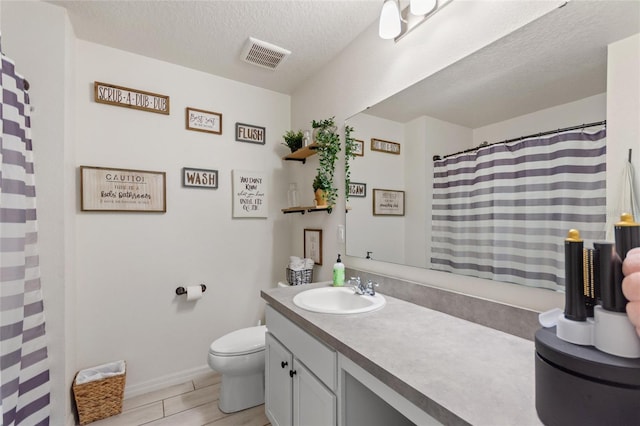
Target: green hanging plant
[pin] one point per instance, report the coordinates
(349, 154)
(326, 137)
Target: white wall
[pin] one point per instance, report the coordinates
(588, 110)
(377, 170)
(415, 177)
(37, 37)
(370, 70)
(623, 118)
(129, 264)
(109, 279)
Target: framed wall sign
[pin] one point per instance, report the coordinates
(313, 245)
(250, 133)
(358, 147)
(385, 146)
(357, 189)
(249, 194)
(199, 178)
(130, 98)
(388, 202)
(200, 120)
(122, 190)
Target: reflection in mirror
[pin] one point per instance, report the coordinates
(548, 75)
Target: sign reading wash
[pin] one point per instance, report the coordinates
(200, 178)
(249, 194)
(130, 98)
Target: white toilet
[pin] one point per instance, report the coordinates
(239, 357)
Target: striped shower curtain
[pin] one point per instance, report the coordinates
(503, 211)
(24, 370)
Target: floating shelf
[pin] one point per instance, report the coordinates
(302, 153)
(310, 209)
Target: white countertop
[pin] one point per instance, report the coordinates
(457, 371)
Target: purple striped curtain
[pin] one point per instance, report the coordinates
(24, 368)
(503, 211)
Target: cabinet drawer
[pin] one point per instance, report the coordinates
(318, 358)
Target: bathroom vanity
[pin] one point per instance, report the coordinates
(402, 364)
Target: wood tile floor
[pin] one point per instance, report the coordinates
(194, 403)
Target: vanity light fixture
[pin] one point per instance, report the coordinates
(395, 22)
(390, 20)
(422, 7)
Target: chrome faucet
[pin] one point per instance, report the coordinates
(361, 288)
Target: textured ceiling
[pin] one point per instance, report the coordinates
(209, 35)
(559, 58)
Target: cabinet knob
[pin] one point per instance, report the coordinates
(283, 364)
(292, 373)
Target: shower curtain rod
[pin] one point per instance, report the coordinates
(550, 132)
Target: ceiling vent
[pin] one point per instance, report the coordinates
(263, 54)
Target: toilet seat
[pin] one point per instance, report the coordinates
(240, 342)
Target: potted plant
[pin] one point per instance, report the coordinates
(328, 146)
(293, 140)
(320, 186)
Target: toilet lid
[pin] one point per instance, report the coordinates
(240, 342)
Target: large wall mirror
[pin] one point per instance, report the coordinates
(550, 74)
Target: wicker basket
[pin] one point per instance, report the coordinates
(299, 277)
(99, 399)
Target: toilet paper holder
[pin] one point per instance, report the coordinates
(181, 290)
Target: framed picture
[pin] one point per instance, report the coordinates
(313, 245)
(122, 190)
(126, 97)
(249, 194)
(385, 146)
(199, 178)
(200, 120)
(388, 202)
(250, 133)
(358, 147)
(357, 189)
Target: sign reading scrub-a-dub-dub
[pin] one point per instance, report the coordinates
(249, 194)
(130, 98)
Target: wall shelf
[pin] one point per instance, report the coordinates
(309, 209)
(302, 154)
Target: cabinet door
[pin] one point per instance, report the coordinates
(313, 402)
(278, 383)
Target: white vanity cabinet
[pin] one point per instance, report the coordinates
(300, 375)
(278, 383)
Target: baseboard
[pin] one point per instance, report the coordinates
(71, 419)
(164, 381)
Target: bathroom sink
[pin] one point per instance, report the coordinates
(337, 300)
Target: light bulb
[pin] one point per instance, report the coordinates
(389, 20)
(422, 7)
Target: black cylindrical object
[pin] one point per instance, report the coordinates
(574, 306)
(581, 386)
(609, 270)
(627, 233)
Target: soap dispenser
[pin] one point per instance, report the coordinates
(338, 273)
